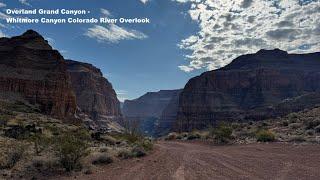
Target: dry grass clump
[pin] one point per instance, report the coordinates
(102, 159)
(11, 153)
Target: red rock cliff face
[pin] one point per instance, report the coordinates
(252, 87)
(94, 94)
(31, 68)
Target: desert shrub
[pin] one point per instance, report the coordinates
(317, 129)
(147, 145)
(285, 123)
(71, 147)
(130, 138)
(4, 118)
(125, 154)
(179, 137)
(265, 136)
(312, 124)
(102, 159)
(171, 136)
(138, 152)
(297, 139)
(110, 140)
(40, 141)
(192, 136)
(295, 125)
(45, 164)
(103, 149)
(293, 116)
(310, 132)
(222, 133)
(14, 152)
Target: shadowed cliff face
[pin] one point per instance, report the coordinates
(31, 68)
(149, 109)
(94, 94)
(252, 87)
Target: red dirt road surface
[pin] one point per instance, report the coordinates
(182, 160)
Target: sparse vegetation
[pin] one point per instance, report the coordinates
(297, 139)
(265, 136)
(222, 133)
(124, 154)
(102, 159)
(13, 153)
(71, 147)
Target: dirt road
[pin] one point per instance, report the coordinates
(180, 160)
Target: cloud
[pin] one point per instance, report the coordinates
(4, 16)
(2, 34)
(2, 5)
(185, 68)
(113, 33)
(105, 12)
(231, 28)
(122, 92)
(25, 2)
(144, 1)
(122, 95)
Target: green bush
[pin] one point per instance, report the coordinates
(71, 147)
(40, 141)
(265, 136)
(147, 145)
(222, 134)
(193, 136)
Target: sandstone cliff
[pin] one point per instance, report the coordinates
(95, 95)
(30, 68)
(252, 87)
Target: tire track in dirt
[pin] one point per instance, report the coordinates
(185, 161)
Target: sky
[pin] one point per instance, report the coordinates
(183, 39)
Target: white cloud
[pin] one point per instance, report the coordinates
(2, 5)
(185, 68)
(25, 2)
(235, 27)
(144, 1)
(105, 12)
(122, 95)
(122, 92)
(113, 33)
(2, 34)
(4, 16)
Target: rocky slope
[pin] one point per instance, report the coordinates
(256, 86)
(95, 95)
(148, 109)
(31, 70)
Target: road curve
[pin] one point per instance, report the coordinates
(182, 160)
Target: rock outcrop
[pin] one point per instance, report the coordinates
(95, 95)
(148, 109)
(30, 68)
(256, 86)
